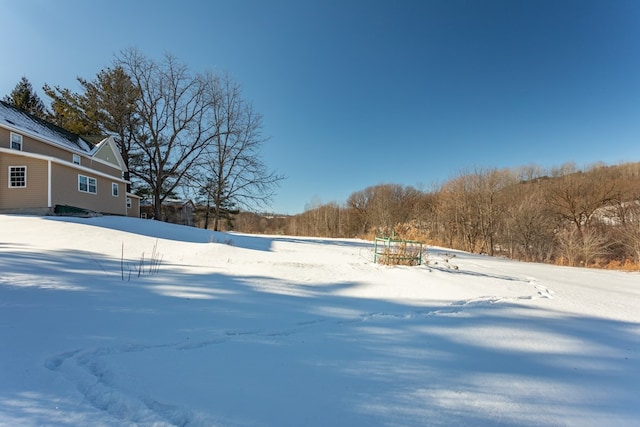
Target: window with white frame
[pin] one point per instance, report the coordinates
(114, 189)
(76, 159)
(129, 203)
(16, 141)
(17, 176)
(86, 184)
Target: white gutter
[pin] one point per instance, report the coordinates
(62, 162)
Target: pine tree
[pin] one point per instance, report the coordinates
(24, 98)
(107, 105)
(110, 101)
(69, 111)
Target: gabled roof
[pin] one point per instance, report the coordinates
(107, 150)
(100, 148)
(21, 121)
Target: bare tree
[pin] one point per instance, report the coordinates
(488, 187)
(457, 205)
(381, 207)
(632, 233)
(529, 225)
(569, 245)
(359, 203)
(578, 197)
(232, 172)
(175, 125)
(594, 244)
(625, 217)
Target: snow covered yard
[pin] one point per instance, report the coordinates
(237, 330)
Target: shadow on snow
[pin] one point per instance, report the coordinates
(332, 357)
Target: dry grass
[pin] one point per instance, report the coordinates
(401, 253)
(627, 265)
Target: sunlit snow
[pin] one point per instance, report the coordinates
(239, 330)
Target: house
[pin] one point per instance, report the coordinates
(176, 211)
(44, 169)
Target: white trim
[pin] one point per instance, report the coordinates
(88, 190)
(64, 163)
(117, 187)
(9, 176)
(91, 153)
(49, 190)
(21, 142)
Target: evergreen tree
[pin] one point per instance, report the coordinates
(106, 106)
(24, 98)
(110, 101)
(69, 111)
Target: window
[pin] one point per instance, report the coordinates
(114, 189)
(17, 176)
(129, 203)
(16, 141)
(87, 184)
(76, 159)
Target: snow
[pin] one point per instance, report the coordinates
(240, 330)
(20, 121)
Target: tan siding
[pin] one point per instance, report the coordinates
(101, 167)
(35, 193)
(65, 190)
(31, 145)
(4, 138)
(134, 211)
(64, 185)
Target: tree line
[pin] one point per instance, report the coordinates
(194, 134)
(565, 215)
(179, 132)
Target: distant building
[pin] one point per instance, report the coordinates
(176, 211)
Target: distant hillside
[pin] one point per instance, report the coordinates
(565, 215)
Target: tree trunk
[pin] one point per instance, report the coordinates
(157, 205)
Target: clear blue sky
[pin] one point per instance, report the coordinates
(356, 93)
